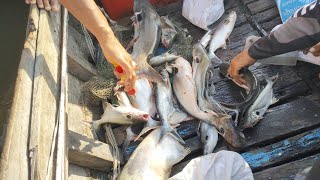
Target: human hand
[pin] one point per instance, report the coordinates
(45, 4)
(116, 54)
(240, 61)
(315, 50)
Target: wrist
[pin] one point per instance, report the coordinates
(251, 60)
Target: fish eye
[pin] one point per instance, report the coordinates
(206, 138)
(257, 113)
(175, 70)
(221, 130)
(197, 60)
(129, 116)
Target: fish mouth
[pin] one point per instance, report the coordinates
(231, 134)
(145, 117)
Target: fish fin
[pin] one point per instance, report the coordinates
(166, 128)
(274, 100)
(146, 71)
(270, 110)
(177, 117)
(145, 130)
(272, 79)
(224, 46)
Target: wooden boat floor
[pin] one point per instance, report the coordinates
(287, 140)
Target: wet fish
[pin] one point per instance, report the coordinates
(154, 157)
(165, 104)
(257, 110)
(186, 93)
(144, 100)
(168, 30)
(161, 59)
(147, 32)
(121, 115)
(209, 137)
(204, 41)
(221, 33)
(254, 85)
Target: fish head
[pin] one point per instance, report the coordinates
(251, 119)
(181, 65)
(231, 18)
(129, 114)
(227, 129)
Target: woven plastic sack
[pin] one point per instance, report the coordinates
(202, 13)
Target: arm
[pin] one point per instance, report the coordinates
(88, 13)
(299, 32)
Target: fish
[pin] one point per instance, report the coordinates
(121, 115)
(204, 41)
(221, 33)
(169, 32)
(161, 59)
(186, 93)
(165, 104)
(209, 137)
(260, 106)
(154, 157)
(144, 100)
(147, 34)
(254, 86)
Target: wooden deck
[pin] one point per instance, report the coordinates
(283, 143)
(289, 134)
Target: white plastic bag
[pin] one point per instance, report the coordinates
(202, 13)
(223, 165)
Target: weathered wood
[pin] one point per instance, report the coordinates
(247, 1)
(260, 6)
(14, 157)
(239, 41)
(266, 15)
(287, 171)
(45, 93)
(90, 153)
(78, 110)
(283, 151)
(78, 55)
(268, 26)
(81, 173)
(170, 8)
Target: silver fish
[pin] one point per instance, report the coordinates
(221, 33)
(209, 137)
(252, 83)
(144, 100)
(161, 59)
(121, 115)
(257, 110)
(164, 103)
(186, 93)
(154, 157)
(147, 33)
(204, 41)
(168, 30)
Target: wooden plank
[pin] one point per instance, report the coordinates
(90, 153)
(266, 15)
(239, 41)
(170, 8)
(287, 171)
(247, 1)
(268, 26)
(260, 6)
(78, 55)
(283, 151)
(81, 173)
(14, 157)
(79, 110)
(45, 93)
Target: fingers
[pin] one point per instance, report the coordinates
(32, 1)
(54, 5)
(47, 5)
(40, 4)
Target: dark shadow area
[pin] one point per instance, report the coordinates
(13, 18)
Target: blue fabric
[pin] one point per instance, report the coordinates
(288, 7)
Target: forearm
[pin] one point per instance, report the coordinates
(88, 13)
(299, 32)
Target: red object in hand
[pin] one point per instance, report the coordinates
(119, 69)
(118, 9)
(132, 92)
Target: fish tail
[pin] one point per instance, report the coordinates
(272, 79)
(167, 128)
(146, 71)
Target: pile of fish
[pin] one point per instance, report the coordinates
(179, 92)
